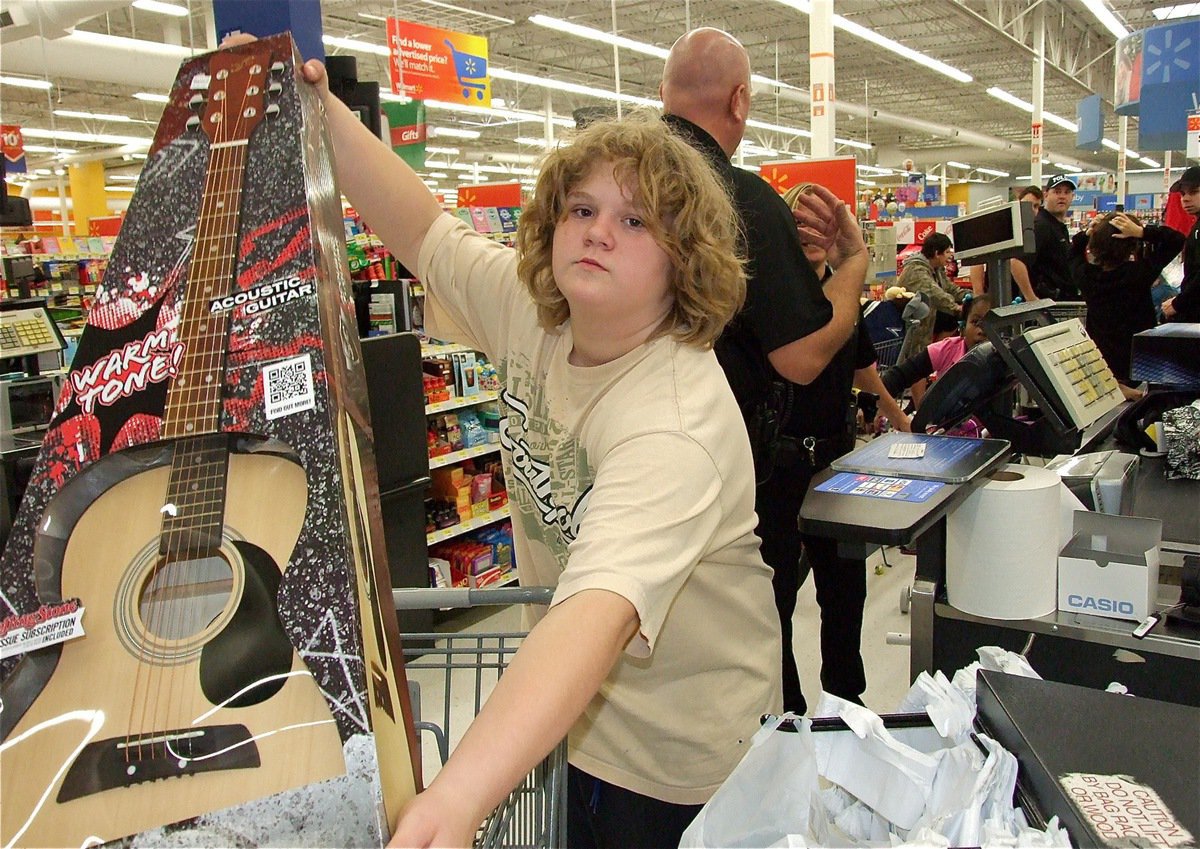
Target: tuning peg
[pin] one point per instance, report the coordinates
(277, 67)
(196, 101)
(272, 109)
(275, 88)
(193, 122)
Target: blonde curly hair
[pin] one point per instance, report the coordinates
(688, 213)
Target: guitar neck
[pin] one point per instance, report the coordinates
(194, 400)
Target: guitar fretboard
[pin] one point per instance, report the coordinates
(193, 513)
(194, 399)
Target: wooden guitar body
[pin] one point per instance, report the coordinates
(183, 675)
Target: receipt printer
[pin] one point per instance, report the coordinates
(1103, 480)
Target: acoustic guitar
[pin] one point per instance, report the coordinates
(185, 695)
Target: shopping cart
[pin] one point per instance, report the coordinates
(470, 69)
(458, 672)
(884, 324)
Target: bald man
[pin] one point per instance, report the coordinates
(786, 334)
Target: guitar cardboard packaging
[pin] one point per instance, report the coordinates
(206, 496)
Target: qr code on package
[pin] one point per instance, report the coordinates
(288, 387)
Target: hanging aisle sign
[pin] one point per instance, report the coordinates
(14, 149)
(427, 63)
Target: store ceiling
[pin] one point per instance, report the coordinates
(914, 106)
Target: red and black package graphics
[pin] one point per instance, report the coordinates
(227, 290)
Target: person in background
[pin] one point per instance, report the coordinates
(630, 478)
(1033, 196)
(825, 412)
(1048, 275)
(1186, 305)
(940, 355)
(790, 327)
(1116, 263)
(924, 274)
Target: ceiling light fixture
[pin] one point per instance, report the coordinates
(99, 116)
(603, 37)
(1013, 100)
(886, 43)
(592, 34)
(151, 97)
(354, 44)
(1148, 161)
(572, 88)
(1063, 165)
(131, 45)
(1181, 10)
(94, 138)
(453, 133)
(1112, 145)
(1105, 16)
(490, 17)
(508, 114)
(25, 82)
(954, 164)
(39, 148)
(161, 8)
(992, 171)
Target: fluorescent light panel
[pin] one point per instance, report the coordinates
(1105, 16)
(94, 138)
(1013, 100)
(888, 44)
(39, 148)
(151, 97)
(161, 8)
(1064, 166)
(25, 82)
(132, 45)
(1180, 10)
(992, 171)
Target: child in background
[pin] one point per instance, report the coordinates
(1117, 287)
(942, 354)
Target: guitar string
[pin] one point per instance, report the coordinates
(185, 449)
(216, 462)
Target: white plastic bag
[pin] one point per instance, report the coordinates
(768, 796)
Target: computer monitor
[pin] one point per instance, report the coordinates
(999, 233)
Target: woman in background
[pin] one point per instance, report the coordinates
(1116, 263)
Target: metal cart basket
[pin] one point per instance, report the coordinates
(458, 671)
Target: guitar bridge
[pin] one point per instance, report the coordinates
(124, 762)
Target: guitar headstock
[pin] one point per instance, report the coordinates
(237, 94)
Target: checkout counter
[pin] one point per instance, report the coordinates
(1069, 647)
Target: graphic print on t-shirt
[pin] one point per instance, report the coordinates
(545, 492)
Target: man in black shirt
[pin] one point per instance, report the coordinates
(1049, 275)
(790, 326)
(1186, 305)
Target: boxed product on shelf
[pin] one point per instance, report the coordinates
(473, 432)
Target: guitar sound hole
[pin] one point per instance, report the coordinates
(183, 596)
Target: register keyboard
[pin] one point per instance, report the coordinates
(28, 331)
(1070, 371)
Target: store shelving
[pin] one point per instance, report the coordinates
(464, 454)
(460, 401)
(443, 534)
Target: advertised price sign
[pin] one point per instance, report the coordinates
(427, 63)
(14, 149)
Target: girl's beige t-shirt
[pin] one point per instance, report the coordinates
(633, 477)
